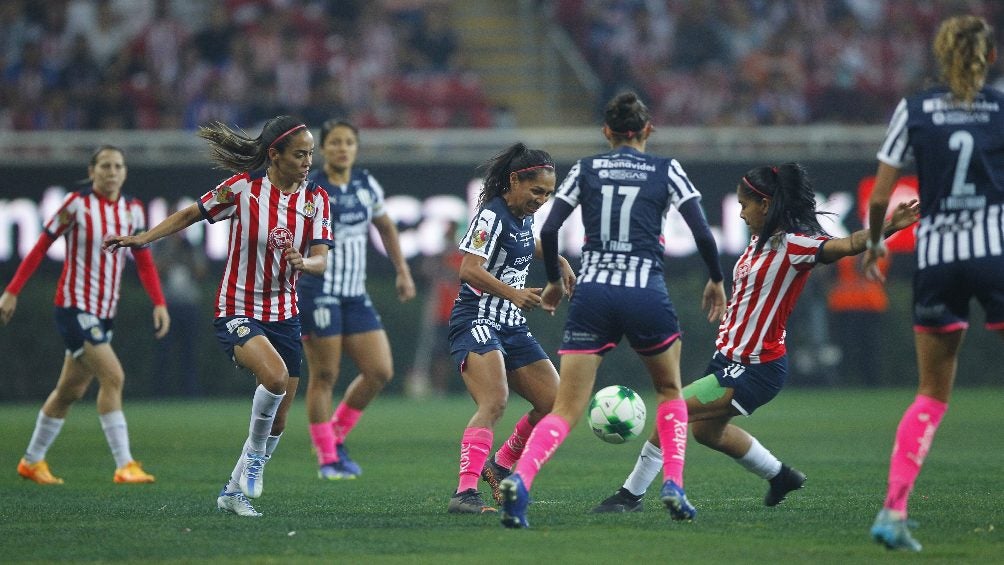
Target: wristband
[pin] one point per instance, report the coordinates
(871, 246)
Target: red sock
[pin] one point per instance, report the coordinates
(324, 443)
(343, 420)
(474, 449)
(671, 422)
(547, 435)
(913, 440)
(510, 451)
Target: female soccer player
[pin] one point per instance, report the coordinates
(337, 312)
(625, 195)
(279, 227)
(86, 300)
(489, 339)
(750, 363)
(955, 131)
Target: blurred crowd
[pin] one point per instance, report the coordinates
(764, 62)
(173, 64)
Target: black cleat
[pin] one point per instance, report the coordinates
(784, 482)
(493, 474)
(620, 501)
(468, 502)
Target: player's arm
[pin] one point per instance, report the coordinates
(713, 297)
(8, 301)
(473, 272)
(388, 234)
(150, 280)
(905, 215)
(172, 224)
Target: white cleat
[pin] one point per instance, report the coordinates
(236, 503)
(251, 481)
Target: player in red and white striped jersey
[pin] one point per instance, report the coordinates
(86, 299)
(750, 364)
(279, 227)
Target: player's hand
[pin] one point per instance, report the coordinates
(8, 304)
(405, 286)
(870, 263)
(551, 297)
(567, 276)
(113, 242)
(527, 298)
(713, 300)
(905, 215)
(294, 258)
(161, 321)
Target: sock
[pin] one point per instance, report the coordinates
(117, 434)
(263, 409)
(323, 438)
(646, 469)
(234, 485)
(46, 431)
(271, 443)
(671, 422)
(759, 461)
(510, 451)
(475, 446)
(547, 435)
(913, 440)
(343, 421)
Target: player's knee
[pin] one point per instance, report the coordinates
(705, 435)
(380, 376)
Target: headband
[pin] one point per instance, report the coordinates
(544, 166)
(755, 189)
(289, 131)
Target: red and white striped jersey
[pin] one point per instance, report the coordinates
(765, 288)
(91, 278)
(257, 282)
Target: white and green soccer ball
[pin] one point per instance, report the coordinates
(616, 414)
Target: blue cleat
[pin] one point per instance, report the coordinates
(347, 465)
(893, 533)
(515, 500)
(676, 502)
(336, 471)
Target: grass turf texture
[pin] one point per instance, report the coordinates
(396, 512)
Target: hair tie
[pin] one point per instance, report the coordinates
(544, 166)
(755, 189)
(287, 132)
(774, 169)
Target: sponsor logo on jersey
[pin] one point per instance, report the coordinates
(480, 238)
(280, 238)
(234, 324)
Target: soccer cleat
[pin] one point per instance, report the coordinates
(620, 501)
(493, 474)
(335, 471)
(894, 533)
(235, 503)
(349, 466)
(676, 502)
(785, 481)
(515, 500)
(38, 472)
(132, 472)
(251, 480)
(468, 502)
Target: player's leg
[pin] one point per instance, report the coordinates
(260, 357)
(323, 355)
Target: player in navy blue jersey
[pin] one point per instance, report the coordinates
(955, 132)
(489, 339)
(625, 195)
(337, 311)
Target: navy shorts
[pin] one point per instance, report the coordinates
(77, 327)
(752, 385)
(942, 293)
(324, 315)
(518, 346)
(600, 314)
(284, 336)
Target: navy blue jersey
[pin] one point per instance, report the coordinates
(625, 195)
(507, 243)
(959, 152)
(353, 207)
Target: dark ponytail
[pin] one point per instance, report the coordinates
(793, 201)
(235, 151)
(517, 158)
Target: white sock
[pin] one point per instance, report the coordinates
(263, 409)
(117, 434)
(760, 462)
(645, 469)
(234, 485)
(46, 431)
(271, 443)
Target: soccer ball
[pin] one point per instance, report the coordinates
(616, 414)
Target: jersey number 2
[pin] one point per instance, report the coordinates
(962, 141)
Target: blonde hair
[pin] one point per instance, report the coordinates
(963, 46)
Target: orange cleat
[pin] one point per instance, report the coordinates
(132, 472)
(38, 472)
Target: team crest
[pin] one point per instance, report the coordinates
(243, 331)
(480, 238)
(309, 209)
(280, 238)
(743, 270)
(97, 334)
(223, 194)
(65, 217)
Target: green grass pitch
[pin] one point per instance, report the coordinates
(396, 512)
